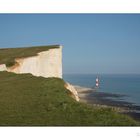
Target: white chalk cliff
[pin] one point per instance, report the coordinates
(73, 91)
(46, 64)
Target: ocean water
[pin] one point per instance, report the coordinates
(122, 84)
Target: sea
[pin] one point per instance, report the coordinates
(127, 85)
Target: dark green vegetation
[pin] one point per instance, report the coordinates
(8, 55)
(26, 100)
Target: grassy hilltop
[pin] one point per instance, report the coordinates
(8, 55)
(26, 100)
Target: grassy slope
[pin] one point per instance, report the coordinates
(8, 55)
(29, 100)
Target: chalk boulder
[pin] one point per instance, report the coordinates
(3, 67)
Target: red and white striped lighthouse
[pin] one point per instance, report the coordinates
(97, 82)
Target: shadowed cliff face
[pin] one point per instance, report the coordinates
(46, 64)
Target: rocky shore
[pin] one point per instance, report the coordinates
(102, 99)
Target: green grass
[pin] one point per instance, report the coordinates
(26, 100)
(8, 55)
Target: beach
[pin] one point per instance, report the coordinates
(101, 99)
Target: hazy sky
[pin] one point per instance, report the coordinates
(93, 43)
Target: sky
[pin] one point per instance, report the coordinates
(92, 43)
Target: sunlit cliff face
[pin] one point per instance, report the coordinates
(45, 64)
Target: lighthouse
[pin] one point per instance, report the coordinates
(97, 82)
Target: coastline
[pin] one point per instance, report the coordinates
(102, 99)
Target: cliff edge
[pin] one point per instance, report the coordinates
(46, 64)
(74, 93)
(38, 61)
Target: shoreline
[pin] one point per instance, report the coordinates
(103, 99)
(84, 90)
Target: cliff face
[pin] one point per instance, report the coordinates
(45, 64)
(74, 93)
